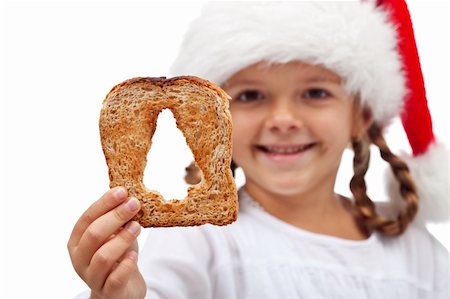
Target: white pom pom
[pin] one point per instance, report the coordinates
(430, 172)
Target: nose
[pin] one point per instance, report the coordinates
(283, 118)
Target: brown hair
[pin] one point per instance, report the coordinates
(370, 220)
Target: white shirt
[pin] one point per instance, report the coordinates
(260, 256)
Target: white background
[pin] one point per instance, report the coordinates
(58, 61)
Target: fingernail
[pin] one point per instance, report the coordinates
(133, 227)
(132, 204)
(119, 193)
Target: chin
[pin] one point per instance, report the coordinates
(285, 188)
(285, 192)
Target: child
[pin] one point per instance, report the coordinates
(306, 80)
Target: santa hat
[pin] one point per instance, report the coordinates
(370, 45)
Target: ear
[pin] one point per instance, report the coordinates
(362, 120)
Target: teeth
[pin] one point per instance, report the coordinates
(285, 150)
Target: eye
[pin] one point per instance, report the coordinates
(249, 96)
(316, 93)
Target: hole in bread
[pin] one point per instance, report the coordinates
(167, 159)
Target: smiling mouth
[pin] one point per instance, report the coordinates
(285, 150)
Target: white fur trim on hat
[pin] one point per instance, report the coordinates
(353, 39)
(430, 172)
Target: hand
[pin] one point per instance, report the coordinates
(103, 247)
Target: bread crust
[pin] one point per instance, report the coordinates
(127, 124)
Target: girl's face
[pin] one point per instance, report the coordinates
(291, 124)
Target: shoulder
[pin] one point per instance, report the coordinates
(427, 257)
(416, 237)
(421, 256)
(415, 242)
(425, 243)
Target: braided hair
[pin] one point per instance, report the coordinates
(365, 208)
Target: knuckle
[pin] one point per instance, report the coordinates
(119, 278)
(93, 235)
(127, 237)
(121, 214)
(100, 259)
(69, 247)
(78, 262)
(87, 218)
(73, 257)
(129, 233)
(115, 282)
(81, 271)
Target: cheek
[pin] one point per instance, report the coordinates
(244, 131)
(334, 129)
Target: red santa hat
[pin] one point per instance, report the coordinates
(369, 44)
(429, 160)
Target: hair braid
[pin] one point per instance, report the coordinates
(193, 173)
(364, 205)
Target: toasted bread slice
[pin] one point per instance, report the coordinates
(127, 124)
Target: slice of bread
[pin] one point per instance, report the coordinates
(127, 124)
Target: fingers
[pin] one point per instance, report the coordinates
(108, 201)
(103, 245)
(122, 273)
(99, 232)
(110, 260)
